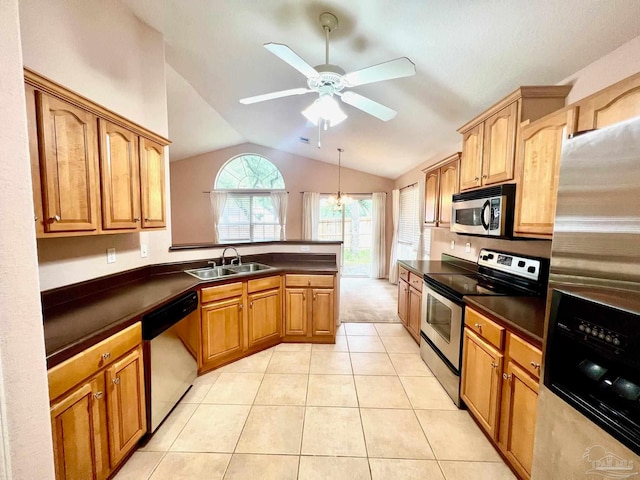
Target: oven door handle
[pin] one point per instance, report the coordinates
(485, 215)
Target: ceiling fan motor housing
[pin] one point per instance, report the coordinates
(331, 76)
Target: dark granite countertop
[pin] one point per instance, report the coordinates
(79, 316)
(523, 315)
(422, 267)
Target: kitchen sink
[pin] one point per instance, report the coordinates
(209, 273)
(249, 267)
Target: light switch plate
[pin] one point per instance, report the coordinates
(111, 255)
(144, 251)
(467, 247)
(453, 244)
(304, 248)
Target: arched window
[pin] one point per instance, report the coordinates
(252, 192)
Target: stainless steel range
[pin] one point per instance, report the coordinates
(442, 321)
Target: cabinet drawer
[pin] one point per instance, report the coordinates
(404, 273)
(415, 281)
(72, 371)
(490, 331)
(525, 354)
(325, 281)
(264, 283)
(211, 294)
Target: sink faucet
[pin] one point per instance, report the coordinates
(237, 257)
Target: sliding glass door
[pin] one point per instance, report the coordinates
(352, 225)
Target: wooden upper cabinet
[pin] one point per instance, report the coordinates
(498, 145)
(152, 184)
(489, 140)
(449, 185)
(431, 197)
(471, 161)
(614, 104)
(538, 169)
(120, 177)
(68, 165)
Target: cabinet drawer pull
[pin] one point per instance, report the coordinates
(309, 283)
(494, 365)
(478, 325)
(106, 356)
(97, 395)
(535, 365)
(116, 381)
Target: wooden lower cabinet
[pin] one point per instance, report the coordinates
(403, 301)
(415, 310)
(500, 387)
(265, 316)
(481, 380)
(410, 301)
(519, 405)
(222, 329)
(78, 423)
(310, 307)
(97, 422)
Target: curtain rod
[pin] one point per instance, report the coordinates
(242, 191)
(346, 193)
(407, 186)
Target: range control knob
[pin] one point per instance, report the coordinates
(490, 256)
(601, 336)
(607, 338)
(587, 330)
(521, 263)
(594, 332)
(616, 341)
(581, 327)
(485, 257)
(531, 269)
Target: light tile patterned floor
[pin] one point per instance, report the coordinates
(306, 412)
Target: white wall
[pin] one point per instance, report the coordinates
(25, 433)
(102, 51)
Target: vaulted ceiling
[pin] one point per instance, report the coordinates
(468, 55)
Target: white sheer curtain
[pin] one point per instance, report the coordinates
(420, 220)
(378, 235)
(218, 202)
(310, 215)
(280, 200)
(395, 211)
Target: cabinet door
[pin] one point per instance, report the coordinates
(431, 195)
(537, 173)
(296, 311)
(222, 330)
(415, 309)
(322, 318)
(614, 104)
(403, 301)
(119, 177)
(519, 405)
(68, 165)
(471, 161)
(152, 184)
(265, 319)
(126, 405)
(498, 147)
(78, 425)
(480, 386)
(449, 185)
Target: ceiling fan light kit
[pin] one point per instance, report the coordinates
(329, 81)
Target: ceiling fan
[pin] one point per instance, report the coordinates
(330, 80)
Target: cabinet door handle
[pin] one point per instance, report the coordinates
(535, 365)
(308, 283)
(315, 295)
(478, 326)
(251, 304)
(507, 377)
(116, 381)
(35, 218)
(240, 306)
(477, 178)
(55, 218)
(146, 219)
(136, 219)
(304, 297)
(494, 365)
(97, 395)
(106, 356)
(484, 176)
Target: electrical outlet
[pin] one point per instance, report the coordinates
(304, 248)
(453, 244)
(467, 247)
(111, 255)
(143, 250)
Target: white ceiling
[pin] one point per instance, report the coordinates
(468, 55)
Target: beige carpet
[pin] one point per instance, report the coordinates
(368, 300)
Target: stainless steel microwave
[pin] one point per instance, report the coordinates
(487, 211)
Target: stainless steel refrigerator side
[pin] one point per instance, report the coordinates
(596, 247)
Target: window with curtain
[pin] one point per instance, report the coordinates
(408, 225)
(250, 214)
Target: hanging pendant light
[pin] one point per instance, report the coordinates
(339, 199)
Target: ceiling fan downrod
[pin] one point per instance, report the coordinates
(329, 22)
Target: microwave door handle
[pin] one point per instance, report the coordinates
(485, 215)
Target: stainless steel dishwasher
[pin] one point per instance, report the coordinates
(169, 363)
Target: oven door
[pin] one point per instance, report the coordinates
(478, 217)
(441, 322)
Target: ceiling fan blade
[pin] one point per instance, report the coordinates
(398, 68)
(292, 58)
(368, 106)
(272, 95)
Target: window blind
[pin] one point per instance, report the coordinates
(408, 228)
(249, 217)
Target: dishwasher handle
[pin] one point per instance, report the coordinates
(156, 322)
